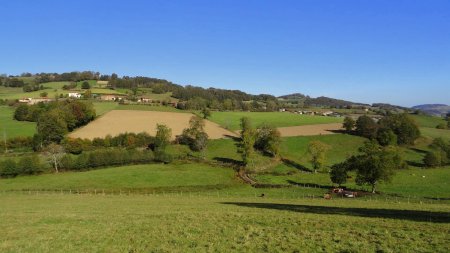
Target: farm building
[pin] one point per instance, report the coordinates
(111, 97)
(74, 95)
(32, 101)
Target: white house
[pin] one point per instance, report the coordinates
(74, 95)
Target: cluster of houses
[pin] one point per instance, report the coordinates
(325, 113)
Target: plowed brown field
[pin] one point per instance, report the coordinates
(121, 121)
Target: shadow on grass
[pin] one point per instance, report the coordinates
(419, 150)
(295, 165)
(415, 164)
(228, 161)
(412, 215)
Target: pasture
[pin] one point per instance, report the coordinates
(231, 120)
(13, 128)
(121, 121)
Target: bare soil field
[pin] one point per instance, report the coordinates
(121, 121)
(318, 129)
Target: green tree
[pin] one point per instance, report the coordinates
(43, 94)
(386, 136)
(349, 124)
(268, 139)
(162, 138)
(366, 127)
(52, 127)
(433, 159)
(21, 112)
(206, 113)
(195, 136)
(317, 153)
(403, 126)
(247, 140)
(338, 173)
(85, 85)
(375, 165)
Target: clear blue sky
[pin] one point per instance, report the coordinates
(368, 51)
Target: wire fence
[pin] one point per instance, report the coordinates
(281, 195)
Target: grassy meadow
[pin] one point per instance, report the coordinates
(231, 120)
(13, 128)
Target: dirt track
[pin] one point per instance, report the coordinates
(121, 121)
(319, 129)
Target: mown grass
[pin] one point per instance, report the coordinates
(13, 128)
(231, 120)
(136, 223)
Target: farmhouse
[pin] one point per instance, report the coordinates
(74, 95)
(111, 97)
(32, 101)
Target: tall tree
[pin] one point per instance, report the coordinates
(366, 127)
(317, 152)
(51, 126)
(247, 140)
(55, 153)
(349, 124)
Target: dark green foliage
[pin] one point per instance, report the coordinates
(349, 124)
(21, 112)
(52, 127)
(386, 136)
(366, 127)
(268, 139)
(338, 173)
(375, 164)
(106, 157)
(442, 125)
(433, 158)
(27, 165)
(403, 126)
(85, 85)
(8, 168)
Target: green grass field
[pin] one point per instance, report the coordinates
(104, 107)
(231, 120)
(52, 89)
(435, 133)
(428, 121)
(159, 108)
(14, 128)
(184, 223)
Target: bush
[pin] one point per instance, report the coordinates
(8, 168)
(432, 159)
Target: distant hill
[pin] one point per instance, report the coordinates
(319, 101)
(433, 109)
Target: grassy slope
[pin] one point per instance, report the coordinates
(14, 128)
(104, 107)
(150, 108)
(137, 177)
(51, 88)
(428, 121)
(231, 120)
(86, 223)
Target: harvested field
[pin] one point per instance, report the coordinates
(318, 129)
(121, 121)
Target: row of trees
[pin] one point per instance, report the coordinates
(57, 118)
(393, 129)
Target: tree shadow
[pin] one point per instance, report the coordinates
(295, 165)
(234, 138)
(228, 161)
(419, 150)
(412, 215)
(415, 164)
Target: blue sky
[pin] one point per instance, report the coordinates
(367, 51)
